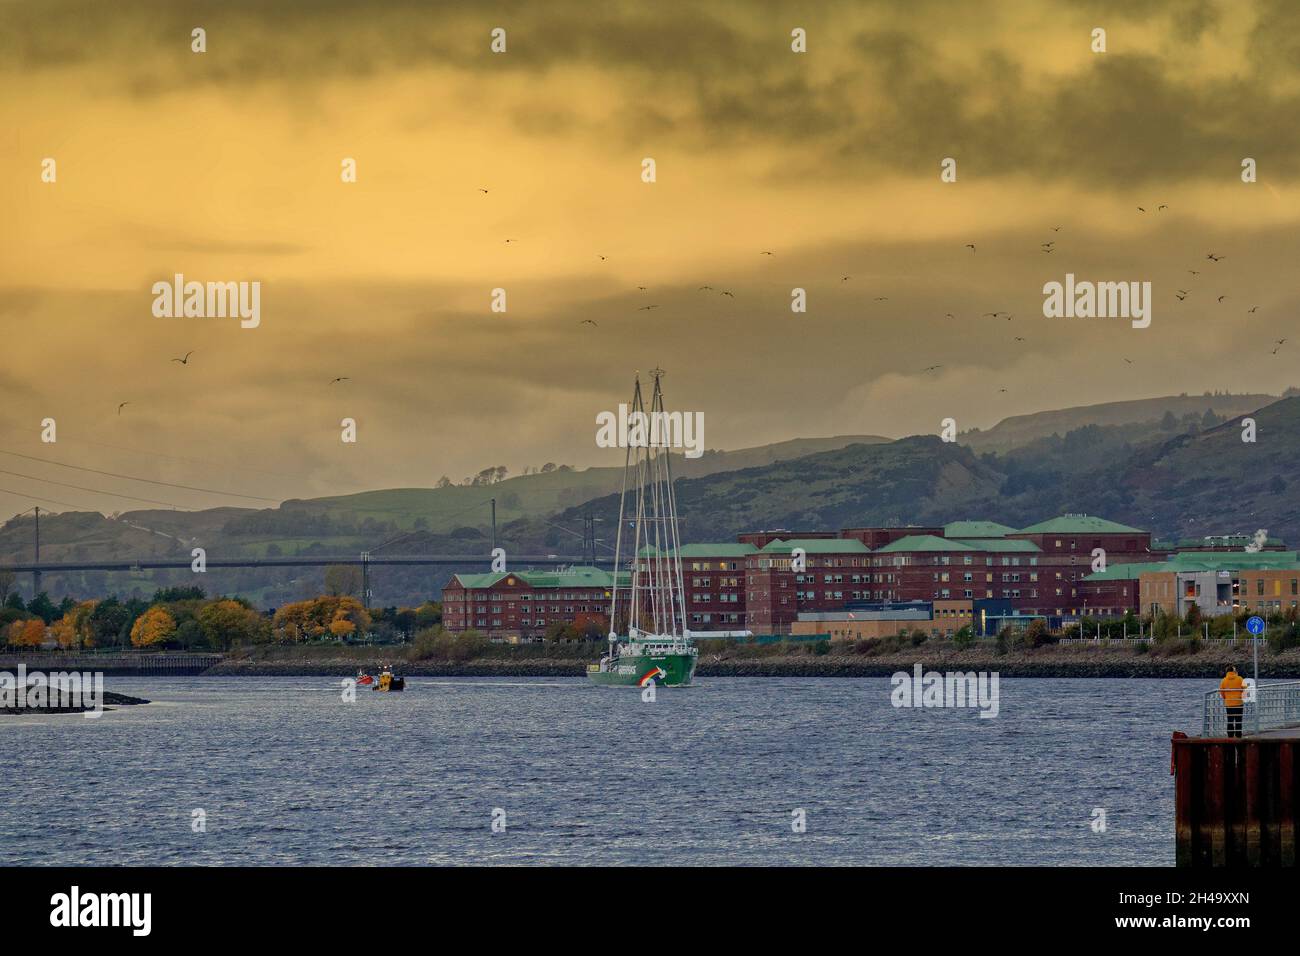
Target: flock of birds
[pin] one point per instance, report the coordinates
(1046, 247)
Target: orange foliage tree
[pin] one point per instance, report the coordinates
(312, 620)
(154, 626)
(27, 633)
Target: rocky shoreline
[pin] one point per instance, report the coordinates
(62, 705)
(1041, 662)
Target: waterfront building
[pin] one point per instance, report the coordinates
(1044, 570)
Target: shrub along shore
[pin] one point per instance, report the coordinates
(448, 656)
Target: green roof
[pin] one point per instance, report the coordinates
(976, 529)
(925, 542)
(1078, 524)
(1194, 561)
(1223, 541)
(1002, 545)
(721, 549)
(575, 577)
(817, 546)
(1127, 572)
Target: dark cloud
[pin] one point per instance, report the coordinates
(894, 98)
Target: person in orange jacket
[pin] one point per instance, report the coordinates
(1233, 689)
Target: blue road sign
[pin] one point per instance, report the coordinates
(1255, 625)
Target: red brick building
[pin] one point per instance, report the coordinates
(777, 588)
(518, 606)
(753, 584)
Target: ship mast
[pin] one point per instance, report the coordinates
(656, 586)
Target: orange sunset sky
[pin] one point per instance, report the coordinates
(225, 166)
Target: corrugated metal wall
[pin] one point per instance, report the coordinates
(1235, 801)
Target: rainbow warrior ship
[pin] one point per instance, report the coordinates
(657, 647)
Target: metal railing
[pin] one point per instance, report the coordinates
(1275, 705)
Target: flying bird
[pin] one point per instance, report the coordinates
(641, 287)
(589, 322)
(1056, 229)
(1211, 255)
(1129, 361)
(766, 253)
(882, 298)
(1193, 272)
(725, 292)
(1020, 338)
(341, 378)
(122, 406)
(845, 278)
(1002, 390)
(482, 190)
(703, 287)
(1140, 209)
(1180, 296)
(1163, 206)
(970, 246)
(186, 360)
(645, 307)
(603, 258)
(1222, 297)
(931, 368)
(950, 315)
(508, 241)
(1255, 309)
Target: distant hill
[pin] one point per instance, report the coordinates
(909, 481)
(1164, 465)
(1020, 430)
(1178, 485)
(444, 509)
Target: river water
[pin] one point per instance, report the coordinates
(286, 772)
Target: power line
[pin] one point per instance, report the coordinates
(196, 461)
(53, 501)
(113, 494)
(150, 481)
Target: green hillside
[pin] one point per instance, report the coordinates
(444, 509)
(1020, 430)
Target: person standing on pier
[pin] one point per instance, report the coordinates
(1232, 687)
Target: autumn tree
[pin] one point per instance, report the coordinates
(314, 619)
(228, 623)
(74, 628)
(28, 633)
(154, 626)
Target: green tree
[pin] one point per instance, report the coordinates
(185, 593)
(110, 623)
(43, 607)
(228, 623)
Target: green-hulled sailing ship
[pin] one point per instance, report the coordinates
(657, 646)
